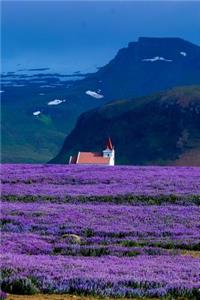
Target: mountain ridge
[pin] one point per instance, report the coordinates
(157, 129)
(141, 77)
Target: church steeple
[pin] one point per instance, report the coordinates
(109, 144)
(109, 152)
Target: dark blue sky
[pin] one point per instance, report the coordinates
(71, 36)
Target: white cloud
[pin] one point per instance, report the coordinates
(56, 102)
(157, 58)
(94, 94)
(2, 91)
(36, 113)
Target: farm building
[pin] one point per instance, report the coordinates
(107, 157)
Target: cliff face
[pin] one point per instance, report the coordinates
(160, 129)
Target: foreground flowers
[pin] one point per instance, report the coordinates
(120, 250)
(107, 276)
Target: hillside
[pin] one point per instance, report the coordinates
(147, 66)
(160, 129)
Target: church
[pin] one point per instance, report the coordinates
(107, 157)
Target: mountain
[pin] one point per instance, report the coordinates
(147, 66)
(160, 129)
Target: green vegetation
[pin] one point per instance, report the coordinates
(161, 129)
(19, 286)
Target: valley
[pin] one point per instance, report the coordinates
(133, 72)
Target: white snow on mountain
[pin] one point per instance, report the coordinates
(183, 53)
(47, 86)
(94, 94)
(157, 58)
(58, 84)
(37, 81)
(56, 102)
(36, 113)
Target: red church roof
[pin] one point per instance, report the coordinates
(90, 158)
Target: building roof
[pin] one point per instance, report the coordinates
(109, 144)
(90, 158)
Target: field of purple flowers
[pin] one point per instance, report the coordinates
(64, 181)
(107, 231)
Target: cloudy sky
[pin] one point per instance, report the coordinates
(71, 36)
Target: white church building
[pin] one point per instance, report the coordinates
(107, 157)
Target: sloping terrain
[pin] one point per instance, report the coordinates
(160, 129)
(33, 130)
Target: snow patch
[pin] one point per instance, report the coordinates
(157, 58)
(37, 81)
(47, 86)
(6, 82)
(58, 84)
(36, 113)
(56, 102)
(94, 94)
(183, 53)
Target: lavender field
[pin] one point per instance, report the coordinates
(41, 182)
(102, 231)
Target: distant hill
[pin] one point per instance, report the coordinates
(160, 129)
(147, 66)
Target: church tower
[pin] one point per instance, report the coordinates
(109, 152)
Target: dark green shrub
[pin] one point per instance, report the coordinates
(133, 253)
(94, 251)
(88, 232)
(129, 243)
(19, 286)
(7, 272)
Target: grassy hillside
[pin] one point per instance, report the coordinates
(160, 129)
